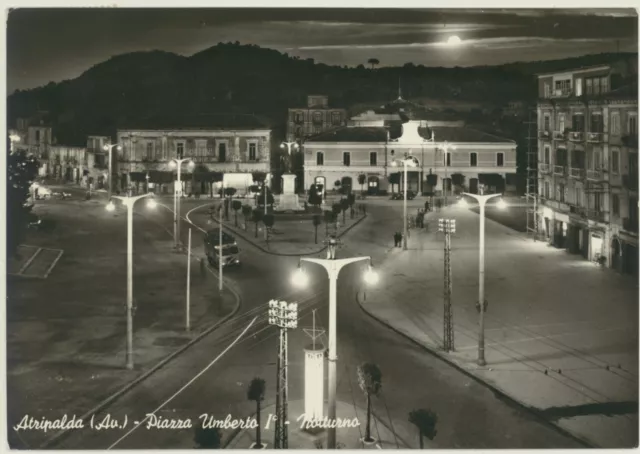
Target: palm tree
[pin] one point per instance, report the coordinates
(373, 62)
(362, 178)
(256, 393)
(425, 421)
(207, 438)
(370, 381)
(317, 220)
(236, 205)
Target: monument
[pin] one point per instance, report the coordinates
(288, 200)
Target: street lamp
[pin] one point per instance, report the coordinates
(129, 201)
(445, 147)
(408, 161)
(300, 279)
(177, 193)
(481, 305)
(109, 148)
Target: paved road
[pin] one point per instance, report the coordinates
(470, 415)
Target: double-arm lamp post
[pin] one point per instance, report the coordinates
(109, 148)
(408, 161)
(177, 194)
(482, 201)
(300, 279)
(129, 201)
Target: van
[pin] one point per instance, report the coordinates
(230, 250)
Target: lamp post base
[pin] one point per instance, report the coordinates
(481, 362)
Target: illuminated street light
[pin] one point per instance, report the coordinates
(502, 204)
(462, 203)
(110, 206)
(408, 161)
(299, 278)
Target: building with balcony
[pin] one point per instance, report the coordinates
(337, 158)
(317, 117)
(587, 171)
(226, 156)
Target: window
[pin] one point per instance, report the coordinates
(546, 190)
(560, 192)
(252, 152)
(335, 118)
(615, 161)
(579, 86)
(37, 136)
(373, 158)
(547, 90)
(149, 151)
(578, 196)
(346, 158)
(604, 84)
(615, 123)
(577, 123)
(615, 204)
(596, 122)
(319, 158)
(447, 162)
(180, 150)
(317, 129)
(589, 87)
(317, 117)
(561, 124)
(500, 159)
(563, 87)
(299, 117)
(473, 159)
(547, 121)
(222, 152)
(547, 155)
(632, 124)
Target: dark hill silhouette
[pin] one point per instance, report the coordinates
(238, 79)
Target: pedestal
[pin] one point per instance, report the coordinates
(314, 382)
(288, 200)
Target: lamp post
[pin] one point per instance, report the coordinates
(109, 148)
(481, 305)
(177, 194)
(129, 202)
(333, 267)
(445, 149)
(408, 161)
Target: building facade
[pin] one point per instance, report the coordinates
(236, 154)
(71, 165)
(588, 163)
(317, 117)
(337, 158)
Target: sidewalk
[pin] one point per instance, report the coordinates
(347, 437)
(561, 334)
(66, 333)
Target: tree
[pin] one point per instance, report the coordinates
(432, 180)
(317, 220)
(260, 197)
(337, 184)
(328, 219)
(21, 173)
(351, 198)
(457, 179)
(256, 216)
(268, 220)
(425, 421)
(259, 177)
(394, 179)
(373, 62)
(370, 381)
(207, 438)
(362, 179)
(344, 206)
(256, 393)
(246, 213)
(237, 206)
(315, 198)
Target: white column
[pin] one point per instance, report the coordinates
(331, 413)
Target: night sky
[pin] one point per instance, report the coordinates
(55, 44)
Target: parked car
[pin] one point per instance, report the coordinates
(400, 195)
(230, 251)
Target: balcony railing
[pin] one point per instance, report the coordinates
(630, 182)
(577, 210)
(595, 137)
(558, 170)
(544, 134)
(562, 93)
(543, 167)
(558, 135)
(630, 140)
(576, 173)
(595, 175)
(596, 215)
(630, 225)
(575, 136)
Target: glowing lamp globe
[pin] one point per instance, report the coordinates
(371, 276)
(501, 204)
(462, 203)
(191, 165)
(151, 203)
(110, 206)
(172, 164)
(299, 278)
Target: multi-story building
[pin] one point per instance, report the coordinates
(588, 162)
(71, 164)
(315, 118)
(235, 153)
(344, 154)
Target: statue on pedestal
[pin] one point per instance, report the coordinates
(288, 160)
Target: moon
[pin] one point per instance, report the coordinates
(454, 41)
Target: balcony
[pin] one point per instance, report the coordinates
(596, 215)
(630, 225)
(630, 140)
(595, 137)
(558, 170)
(543, 167)
(576, 173)
(545, 135)
(575, 136)
(594, 175)
(559, 135)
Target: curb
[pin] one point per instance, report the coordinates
(282, 254)
(499, 393)
(109, 400)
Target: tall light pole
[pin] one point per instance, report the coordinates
(333, 267)
(109, 148)
(129, 201)
(408, 161)
(481, 305)
(177, 194)
(446, 146)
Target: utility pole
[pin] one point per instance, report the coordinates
(188, 313)
(448, 226)
(285, 316)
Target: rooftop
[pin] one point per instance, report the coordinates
(463, 135)
(355, 134)
(217, 121)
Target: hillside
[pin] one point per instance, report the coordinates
(246, 79)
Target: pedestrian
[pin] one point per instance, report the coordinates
(396, 239)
